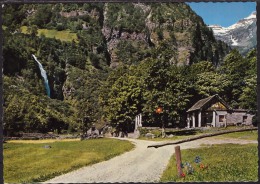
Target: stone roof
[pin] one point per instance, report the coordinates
(201, 103)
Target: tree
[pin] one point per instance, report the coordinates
(33, 30)
(234, 67)
(165, 86)
(202, 66)
(248, 97)
(42, 16)
(13, 117)
(156, 83)
(211, 83)
(124, 99)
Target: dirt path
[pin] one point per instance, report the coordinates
(139, 165)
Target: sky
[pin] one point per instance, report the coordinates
(223, 14)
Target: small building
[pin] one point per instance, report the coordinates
(213, 111)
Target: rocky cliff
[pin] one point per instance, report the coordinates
(157, 27)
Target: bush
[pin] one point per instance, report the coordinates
(60, 27)
(143, 131)
(157, 133)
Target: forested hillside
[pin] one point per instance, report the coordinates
(110, 62)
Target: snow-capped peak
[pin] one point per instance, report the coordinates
(252, 16)
(241, 34)
(243, 22)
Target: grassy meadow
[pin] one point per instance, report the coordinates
(30, 161)
(65, 35)
(247, 135)
(219, 163)
(179, 135)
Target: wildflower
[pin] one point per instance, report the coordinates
(202, 166)
(183, 175)
(197, 159)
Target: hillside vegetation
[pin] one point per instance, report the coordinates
(110, 62)
(65, 35)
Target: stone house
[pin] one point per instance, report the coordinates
(213, 111)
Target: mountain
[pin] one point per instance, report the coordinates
(241, 35)
(145, 28)
(83, 46)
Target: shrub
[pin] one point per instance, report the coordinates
(157, 133)
(143, 131)
(60, 27)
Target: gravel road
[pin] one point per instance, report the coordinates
(139, 165)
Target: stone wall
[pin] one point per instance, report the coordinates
(220, 124)
(237, 117)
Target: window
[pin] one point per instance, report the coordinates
(221, 118)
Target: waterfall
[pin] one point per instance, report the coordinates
(44, 75)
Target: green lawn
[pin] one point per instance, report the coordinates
(65, 35)
(179, 135)
(28, 162)
(219, 163)
(248, 135)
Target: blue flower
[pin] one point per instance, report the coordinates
(197, 159)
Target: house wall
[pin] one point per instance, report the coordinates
(220, 124)
(231, 118)
(237, 117)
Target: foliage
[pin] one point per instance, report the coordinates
(124, 98)
(26, 112)
(143, 131)
(18, 62)
(142, 88)
(42, 15)
(34, 160)
(174, 88)
(167, 57)
(165, 87)
(229, 167)
(156, 132)
(210, 83)
(129, 52)
(63, 35)
(249, 91)
(125, 17)
(235, 67)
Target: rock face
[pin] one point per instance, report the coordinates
(149, 28)
(92, 13)
(241, 35)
